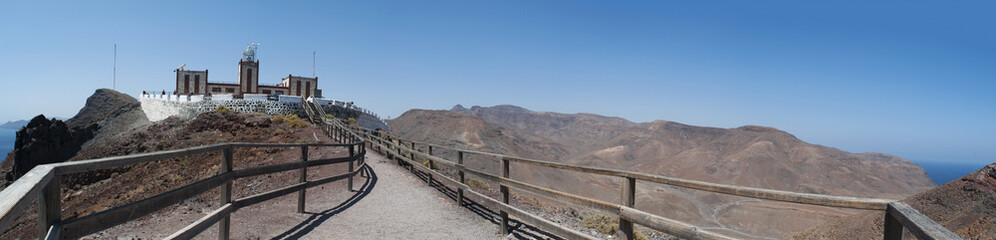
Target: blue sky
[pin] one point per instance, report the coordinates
(914, 79)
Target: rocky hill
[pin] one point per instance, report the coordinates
(14, 124)
(106, 113)
(95, 191)
(966, 206)
(103, 104)
(752, 156)
(43, 141)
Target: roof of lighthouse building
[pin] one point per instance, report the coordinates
(250, 53)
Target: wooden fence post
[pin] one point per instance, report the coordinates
(428, 175)
(460, 173)
(432, 165)
(224, 225)
(398, 148)
(504, 197)
(352, 153)
(48, 205)
(628, 199)
(893, 228)
(303, 177)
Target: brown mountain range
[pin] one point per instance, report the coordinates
(751, 156)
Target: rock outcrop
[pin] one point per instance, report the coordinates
(107, 113)
(45, 141)
(99, 106)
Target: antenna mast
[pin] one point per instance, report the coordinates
(114, 78)
(313, 57)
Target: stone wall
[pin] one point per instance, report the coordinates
(158, 107)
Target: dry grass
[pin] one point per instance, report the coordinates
(478, 184)
(606, 225)
(290, 119)
(222, 109)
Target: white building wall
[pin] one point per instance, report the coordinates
(289, 99)
(161, 106)
(255, 96)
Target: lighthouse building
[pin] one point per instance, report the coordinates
(193, 82)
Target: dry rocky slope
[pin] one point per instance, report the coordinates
(123, 130)
(966, 206)
(751, 156)
(106, 113)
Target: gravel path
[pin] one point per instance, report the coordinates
(391, 204)
(399, 206)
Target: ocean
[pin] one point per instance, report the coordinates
(944, 172)
(7, 137)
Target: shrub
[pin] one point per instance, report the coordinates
(278, 119)
(601, 223)
(352, 120)
(478, 184)
(329, 116)
(427, 164)
(222, 109)
(295, 121)
(607, 225)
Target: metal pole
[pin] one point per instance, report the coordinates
(114, 84)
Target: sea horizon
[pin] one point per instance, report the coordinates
(943, 172)
(7, 137)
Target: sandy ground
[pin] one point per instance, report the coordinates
(389, 204)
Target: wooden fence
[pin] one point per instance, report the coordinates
(898, 215)
(43, 182)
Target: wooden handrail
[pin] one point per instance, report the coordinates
(759, 193)
(923, 226)
(901, 216)
(41, 181)
(645, 218)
